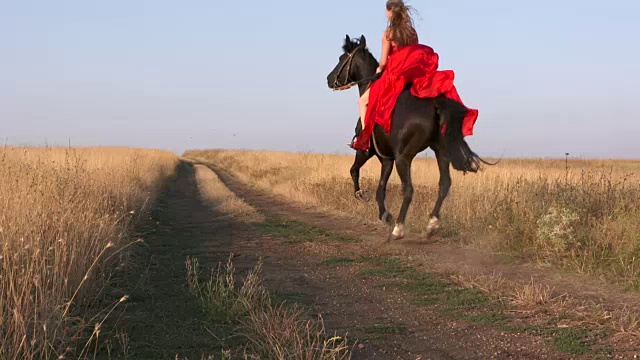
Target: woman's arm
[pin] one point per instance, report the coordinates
(386, 47)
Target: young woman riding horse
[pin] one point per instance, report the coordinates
(399, 33)
(404, 61)
(421, 103)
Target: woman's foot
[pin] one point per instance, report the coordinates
(356, 145)
(353, 141)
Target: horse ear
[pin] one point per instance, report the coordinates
(363, 41)
(347, 40)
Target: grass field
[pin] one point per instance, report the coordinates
(67, 216)
(581, 215)
(64, 215)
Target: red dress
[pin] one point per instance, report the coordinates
(417, 64)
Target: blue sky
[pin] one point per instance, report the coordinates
(548, 77)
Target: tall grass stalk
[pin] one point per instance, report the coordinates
(64, 215)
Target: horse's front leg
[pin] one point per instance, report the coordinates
(383, 214)
(361, 158)
(403, 166)
(444, 185)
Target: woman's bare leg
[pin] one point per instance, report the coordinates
(363, 101)
(362, 105)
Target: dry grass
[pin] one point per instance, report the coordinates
(489, 284)
(277, 332)
(627, 325)
(582, 217)
(535, 298)
(531, 294)
(271, 331)
(65, 214)
(216, 194)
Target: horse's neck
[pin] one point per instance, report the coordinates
(362, 88)
(368, 72)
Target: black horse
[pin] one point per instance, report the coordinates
(416, 125)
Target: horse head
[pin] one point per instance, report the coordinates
(354, 64)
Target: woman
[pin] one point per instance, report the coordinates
(403, 61)
(399, 33)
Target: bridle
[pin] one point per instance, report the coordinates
(347, 64)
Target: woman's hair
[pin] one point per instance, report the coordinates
(400, 29)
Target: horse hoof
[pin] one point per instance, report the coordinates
(398, 232)
(433, 226)
(362, 196)
(387, 218)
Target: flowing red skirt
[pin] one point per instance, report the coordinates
(417, 64)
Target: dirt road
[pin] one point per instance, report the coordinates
(390, 304)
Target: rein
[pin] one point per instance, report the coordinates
(359, 82)
(347, 63)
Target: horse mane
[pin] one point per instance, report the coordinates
(351, 44)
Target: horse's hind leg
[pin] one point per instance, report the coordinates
(403, 166)
(444, 185)
(361, 158)
(381, 194)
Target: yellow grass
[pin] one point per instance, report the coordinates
(490, 284)
(63, 214)
(270, 330)
(531, 294)
(584, 218)
(215, 194)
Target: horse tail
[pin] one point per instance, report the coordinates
(460, 154)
